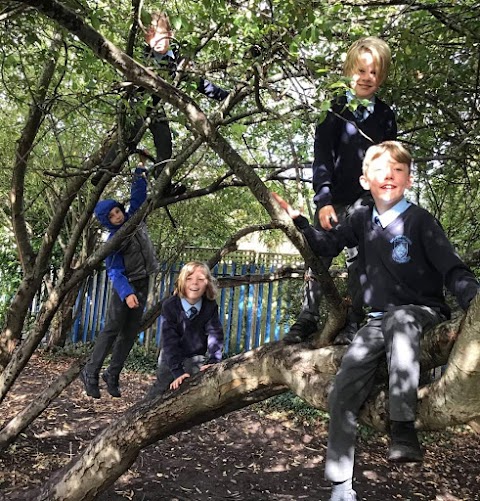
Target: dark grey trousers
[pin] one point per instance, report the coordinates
(312, 296)
(165, 377)
(120, 331)
(162, 139)
(397, 336)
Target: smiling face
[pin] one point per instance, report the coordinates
(387, 179)
(195, 285)
(116, 216)
(365, 81)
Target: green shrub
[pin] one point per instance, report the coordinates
(293, 406)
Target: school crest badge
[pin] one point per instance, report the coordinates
(401, 246)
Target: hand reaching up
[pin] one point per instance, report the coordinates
(293, 213)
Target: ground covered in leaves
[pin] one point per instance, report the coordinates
(273, 451)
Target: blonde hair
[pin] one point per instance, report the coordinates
(187, 270)
(159, 22)
(397, 151)
(379, 50)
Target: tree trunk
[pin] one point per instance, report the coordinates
(63, 320)
(207, 130)
(16, 314)
(240, 381)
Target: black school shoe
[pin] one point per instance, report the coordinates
(404, 446)
(91, 384)
(112, 384)
(300, 331)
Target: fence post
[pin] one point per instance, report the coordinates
(228, 329)
(259, 311)
(241, 303)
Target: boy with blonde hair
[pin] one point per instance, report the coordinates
(404, 261)
(340, 144)
(191, 328)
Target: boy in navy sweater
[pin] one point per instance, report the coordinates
(158, 54)
(404, 261)
(191, 329)
(340, 144)
(128, 269)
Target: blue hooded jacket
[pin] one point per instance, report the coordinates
(135, 259)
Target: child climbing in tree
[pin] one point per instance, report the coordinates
(404, 262)
(128, 269)
(163, 59)
(192, 335)
(340, 144)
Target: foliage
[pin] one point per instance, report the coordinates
(141, 360)
(305, 47)
(10, 271)
(293, 407)
(284, 59)
(292, 298)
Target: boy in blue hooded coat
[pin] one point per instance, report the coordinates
(128, 269)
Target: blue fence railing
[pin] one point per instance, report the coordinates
(252, 314)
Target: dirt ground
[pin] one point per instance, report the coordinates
(252, 454)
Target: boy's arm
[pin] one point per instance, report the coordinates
(323, 161)
(171, 341)
(458, 277)
(326, 243)
(462, 283)
(116, 274)
(211, 90)
(214, 331)
(204, 86)
(138, 190)
(323, 243)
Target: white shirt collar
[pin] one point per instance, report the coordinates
(186, 305)
(391, 214)
(160, 57)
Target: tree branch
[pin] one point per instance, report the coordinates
(228, 386)
(24, 146)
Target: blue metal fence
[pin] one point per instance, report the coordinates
(251, 314)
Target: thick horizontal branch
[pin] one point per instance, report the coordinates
(231, 385)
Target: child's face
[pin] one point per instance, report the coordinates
(116, 216)
(160, 41)
(365, 82)
(387, 180)
(195, 285)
